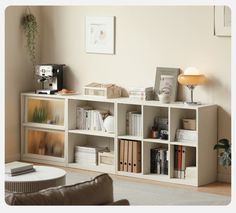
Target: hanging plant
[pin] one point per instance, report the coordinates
(30, 27)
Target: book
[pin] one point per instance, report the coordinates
(186, 135)
(17, 166)
(179, 161)
(136, 156)
(182, 174)
(176, 161)
(121, 155)
(126, 150)
(130, 157)
(22, 172)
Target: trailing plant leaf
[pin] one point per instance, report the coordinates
(30, 27)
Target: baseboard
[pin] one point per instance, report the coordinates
(224, 178)
(14, 157)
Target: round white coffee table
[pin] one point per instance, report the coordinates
(44, 177)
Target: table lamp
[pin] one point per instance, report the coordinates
(191, 78)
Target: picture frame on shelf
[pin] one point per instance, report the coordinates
(100, 34)
(222, 21)
(166, 81)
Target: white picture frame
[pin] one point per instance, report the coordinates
(166, 77)
(222, 21)
(100, 34)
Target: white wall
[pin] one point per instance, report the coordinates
(18, 78)
(146, 37)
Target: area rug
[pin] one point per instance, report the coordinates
(153, 194)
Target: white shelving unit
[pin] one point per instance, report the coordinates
(60, 133)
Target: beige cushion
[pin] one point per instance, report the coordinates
(98, 191)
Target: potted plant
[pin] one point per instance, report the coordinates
(30, 27)
(225, 155)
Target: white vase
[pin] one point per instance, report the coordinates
(108, 124)
(164, 98)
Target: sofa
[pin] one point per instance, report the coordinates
(97, 191)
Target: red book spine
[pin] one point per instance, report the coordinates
(179, 159)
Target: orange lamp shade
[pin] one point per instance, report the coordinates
(191, 79)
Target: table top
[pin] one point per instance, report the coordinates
(42, 173)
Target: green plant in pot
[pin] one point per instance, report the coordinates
(30, 27)
(225, 155)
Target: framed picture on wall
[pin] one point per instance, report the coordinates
(166, 81)
(222, 21)
(100, 34)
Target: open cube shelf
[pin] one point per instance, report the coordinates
(154, 130)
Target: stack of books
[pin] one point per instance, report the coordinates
(143, 93)
(130, 156)
(134, 123)
(89, 119)
(88, 155)
(18, 168)
(184, 157)
(159, 161)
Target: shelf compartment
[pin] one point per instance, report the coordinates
(182, 157)
(43, 110)
(95, 105)
(129, 156)
(90, 140)
(176, 116)
(43, 126)
(89, 132)
(123, 119)
(153, 154)
(150, 115)
(46, 143)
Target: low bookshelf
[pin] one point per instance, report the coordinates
(53, 140)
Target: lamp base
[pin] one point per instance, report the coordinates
(192, 103)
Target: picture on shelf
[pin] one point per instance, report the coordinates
(166, 83)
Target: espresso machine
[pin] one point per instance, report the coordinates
(50, 76)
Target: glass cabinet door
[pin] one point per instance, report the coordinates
(45, 142)
(45, 111)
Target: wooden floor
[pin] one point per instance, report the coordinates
(214, 188)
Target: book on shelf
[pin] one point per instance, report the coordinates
(126, 151)
(130, 156)
(134, 123)
(17, 167)
(88, 118)
(159, 160)
(87, 154)
(141, 93)
(121, 155)
(184, 135)
(136, 146)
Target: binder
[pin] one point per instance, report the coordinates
(126, 149)
(175, 161)
(136, 157)
(183, 162)
(130, 157)
(179, 160)
(121, 159)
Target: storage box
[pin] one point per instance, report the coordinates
(189, 124)
(106, 158)
(102, 90)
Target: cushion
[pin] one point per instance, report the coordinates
(97, 191)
